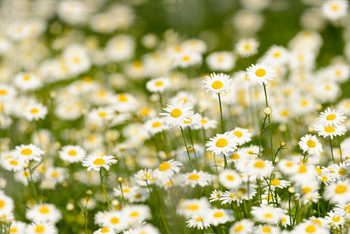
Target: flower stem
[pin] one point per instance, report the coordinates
(104, 191)
(194, 151)
(261, 134)
(121, 190)
(267, 105)
(330, 142)
(222, 120)
(341, 153)
(35, 194)
(188, 153)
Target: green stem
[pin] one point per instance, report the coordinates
(121, 190)
(222, 120)
(261, 134)
(35, 194)
(330, 142)
(104, 191)
(267, 105)
(188, 153)
(194, 151)
(341, 153)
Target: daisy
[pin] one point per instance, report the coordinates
(288, 167)
(23, 176)
(217, 84)
(219, 216)
(195, 45)
(137, 213)
(342, 170)
(215, 195)
(95, 162)
(44, 213)
(266, 229)
(71, 153)
(13, 164)
(335, 9)
(310, 144)
(42, 228)
(230, 179)
(335, 218)
(104, 231)
(338, 192)
(206, 124)
(267, 214)
(177, 114)
(193, 207)
(309, 227)
(276, 183)
(260, 73)
(58, 174)
(155, 125)
(331, 118)
(276, 55)
(222, 144)
(194, 178)
(140, 195)
(187, 59)
(339, 72)
(245, 226)
(247, 47)
(285, 221)
(199, 222)
(17, 227)
(27, 81)
(330, 131)
(6, 204)
(28, 152)
(115, 221)
(229, 197)
(260, 168)
(144, 229)
(35, 112)
(144, 175)
(124, 102)
(221, 61)
(6, 92)
(76, 59)
(243, 135)
(344, 209)
(158, 85)
(167, 169)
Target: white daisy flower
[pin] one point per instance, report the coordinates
(266, 229)
(137, 213)
(144, 229)
(310, 227)
(6, 92)
(35, 111)
(187, 59)
(192, 207)
(95, 162)
(42, 228)
(6, 204)
(206, 123)
(310, 144)
(242, 134)
(199, 222)
(144, 174)
(219, 216)
(115, 220)
(17, 227)
(245, 226)
(338, 192)
(331, 118)
(260, 168)
(335, 9)
(194, 178)
(44, 213)
(267, 214)
(158, 85)
(71, 153)
(222, 143)
(104, 231)
(27, 81)
(155, 125)
(221, 61)
(217, 84)
(335, 218)
(330, 131)
(167, 169)
(177, 114)
(230, 179)
(13, 164)
(247, 47)
(28, 152)
(260, 73)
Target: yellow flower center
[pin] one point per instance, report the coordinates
(242, 190)
(247, 47)
(104, 230)
(158, 83)
(217, 84)
(232, 195)
(230, 177)
(289, 164)
(99, 161)
(341, 188)
(239, 134)
(156, 124)
(311, 143)
(114, 220)
(123, 98)
(324, 178)
(34, 111)
(331, 117)
(275, 182)
(138, 64)
(222, 142)
(203, 121)
(176, 113)
(310, 229)
(134, 214)
(72, 153)
(335, 7)
(76, 60)
(54, 174)
(218, 214)
(329, 129)
(260, 72)
(277, 54)
(266, 229)
(164, 166)
(2, 203)
(189, 121)
(268, 215)
(306, 190)
(3, 92)
(193, 177)
(39, 229)
(302, 168)
(145, 111)
(342, 171)
(336, 219)
(13, 230)
(234, 156)
(199, 219)
(26, 151)
(102, 114)
(239, 228)
(186, 58)
(317, 221)
(193, 207)
(347, 209)
(283, 220)
(26, 77)
(126, 190)
(13, 163)
(44, 210)
(259, 164)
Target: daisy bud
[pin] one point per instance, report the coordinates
(88, 192)
(283, 144)
(277, 159)
(115, 202)
(267, 111)
(291, 190)
(53, 94)
(310, 129)
(70, 206)
(120, 179)
(25, 165)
